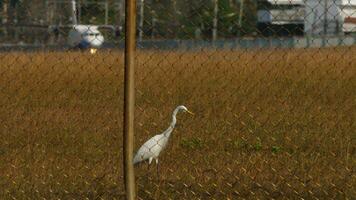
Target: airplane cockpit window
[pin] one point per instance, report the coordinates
(91, 34)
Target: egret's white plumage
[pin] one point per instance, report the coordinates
(152, 148)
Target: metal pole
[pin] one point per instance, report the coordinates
(129, 99)
(120, 13)
(106, 12)
(240, 17)
(74, 13)
(175, 22)
(47, 13)
(241, 13)
(142, 7)
(79, 14)
(153, 25)
(5, 16)
(325, 13)
(215, 20)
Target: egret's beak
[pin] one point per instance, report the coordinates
(190, 112)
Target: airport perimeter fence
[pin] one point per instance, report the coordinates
(268, 123)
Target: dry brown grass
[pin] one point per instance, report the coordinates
(268, 124)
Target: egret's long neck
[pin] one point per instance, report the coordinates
(168, 132)
(174, 119)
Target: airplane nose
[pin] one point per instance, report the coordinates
(97, 41)
(92, 41)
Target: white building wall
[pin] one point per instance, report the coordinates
(348, 13)
(286, 2)
(281, 16)
(323, 17)
(320, 17)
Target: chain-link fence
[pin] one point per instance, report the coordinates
(271, 85)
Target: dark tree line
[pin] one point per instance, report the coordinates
(181, 19)
(186, 19)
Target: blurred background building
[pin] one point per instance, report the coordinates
(310, 17)
(27, 22)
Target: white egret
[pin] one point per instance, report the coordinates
(152, 148)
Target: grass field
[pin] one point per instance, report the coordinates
(268, 124)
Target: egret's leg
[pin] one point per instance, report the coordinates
(149, 163)
(157, 167)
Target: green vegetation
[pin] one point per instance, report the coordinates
(275, 149)
(193, 143)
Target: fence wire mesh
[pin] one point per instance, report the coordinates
(271, 85)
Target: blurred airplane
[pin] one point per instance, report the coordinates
(79, 36)
(87, 36)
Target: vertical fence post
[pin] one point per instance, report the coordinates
(129, 99)
(106, 4)
(215, 19)
(241, 14)
(140, 32)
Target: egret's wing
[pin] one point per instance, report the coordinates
(151, 148)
